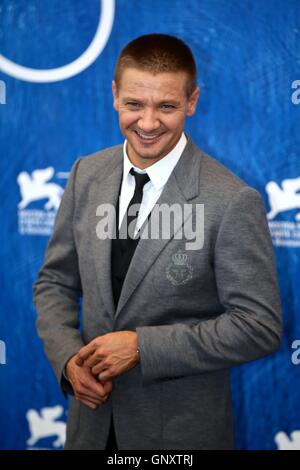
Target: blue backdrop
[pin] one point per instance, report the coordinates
(248, 58)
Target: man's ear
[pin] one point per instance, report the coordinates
(115, 95)
(192, 102)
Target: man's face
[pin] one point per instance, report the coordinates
(152, 111)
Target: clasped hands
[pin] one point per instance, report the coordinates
(92, 370)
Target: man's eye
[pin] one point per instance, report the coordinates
(132, 104)
(168, 106)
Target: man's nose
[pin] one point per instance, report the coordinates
(148, 120)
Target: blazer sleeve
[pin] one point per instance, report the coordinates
(250, 325)
(57, 291)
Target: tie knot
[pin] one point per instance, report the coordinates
(140, 179)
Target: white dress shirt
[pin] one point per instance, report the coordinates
(158, 173)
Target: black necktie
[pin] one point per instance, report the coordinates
(126, 232)
(124, 248)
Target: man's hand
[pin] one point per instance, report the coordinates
(110, 355)
(87, 389)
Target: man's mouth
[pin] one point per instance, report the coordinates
(148, 138)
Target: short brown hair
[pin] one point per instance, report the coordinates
(158, 53)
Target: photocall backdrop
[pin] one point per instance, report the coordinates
(56, 66)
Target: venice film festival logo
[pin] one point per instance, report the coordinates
(284, 201)
(105, 23)
(36, 189)
(46, 428)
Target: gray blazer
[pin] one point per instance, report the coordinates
(195, 315)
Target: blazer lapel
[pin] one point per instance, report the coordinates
(105, 190)
(182, 186)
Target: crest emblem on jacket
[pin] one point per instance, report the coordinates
(179, 271)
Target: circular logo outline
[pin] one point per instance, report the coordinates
(64, 72)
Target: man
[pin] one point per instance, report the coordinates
(162, 321)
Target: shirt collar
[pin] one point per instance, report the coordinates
(160, 171)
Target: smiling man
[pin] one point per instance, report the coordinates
(152, 111)
(161, 324)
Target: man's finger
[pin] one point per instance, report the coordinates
(96, 369)
(91, 394)
(84, 353)
(87, 403)
(105, 375)
(92, 361)
(96, 401)
(108, 386)
(94, 386)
